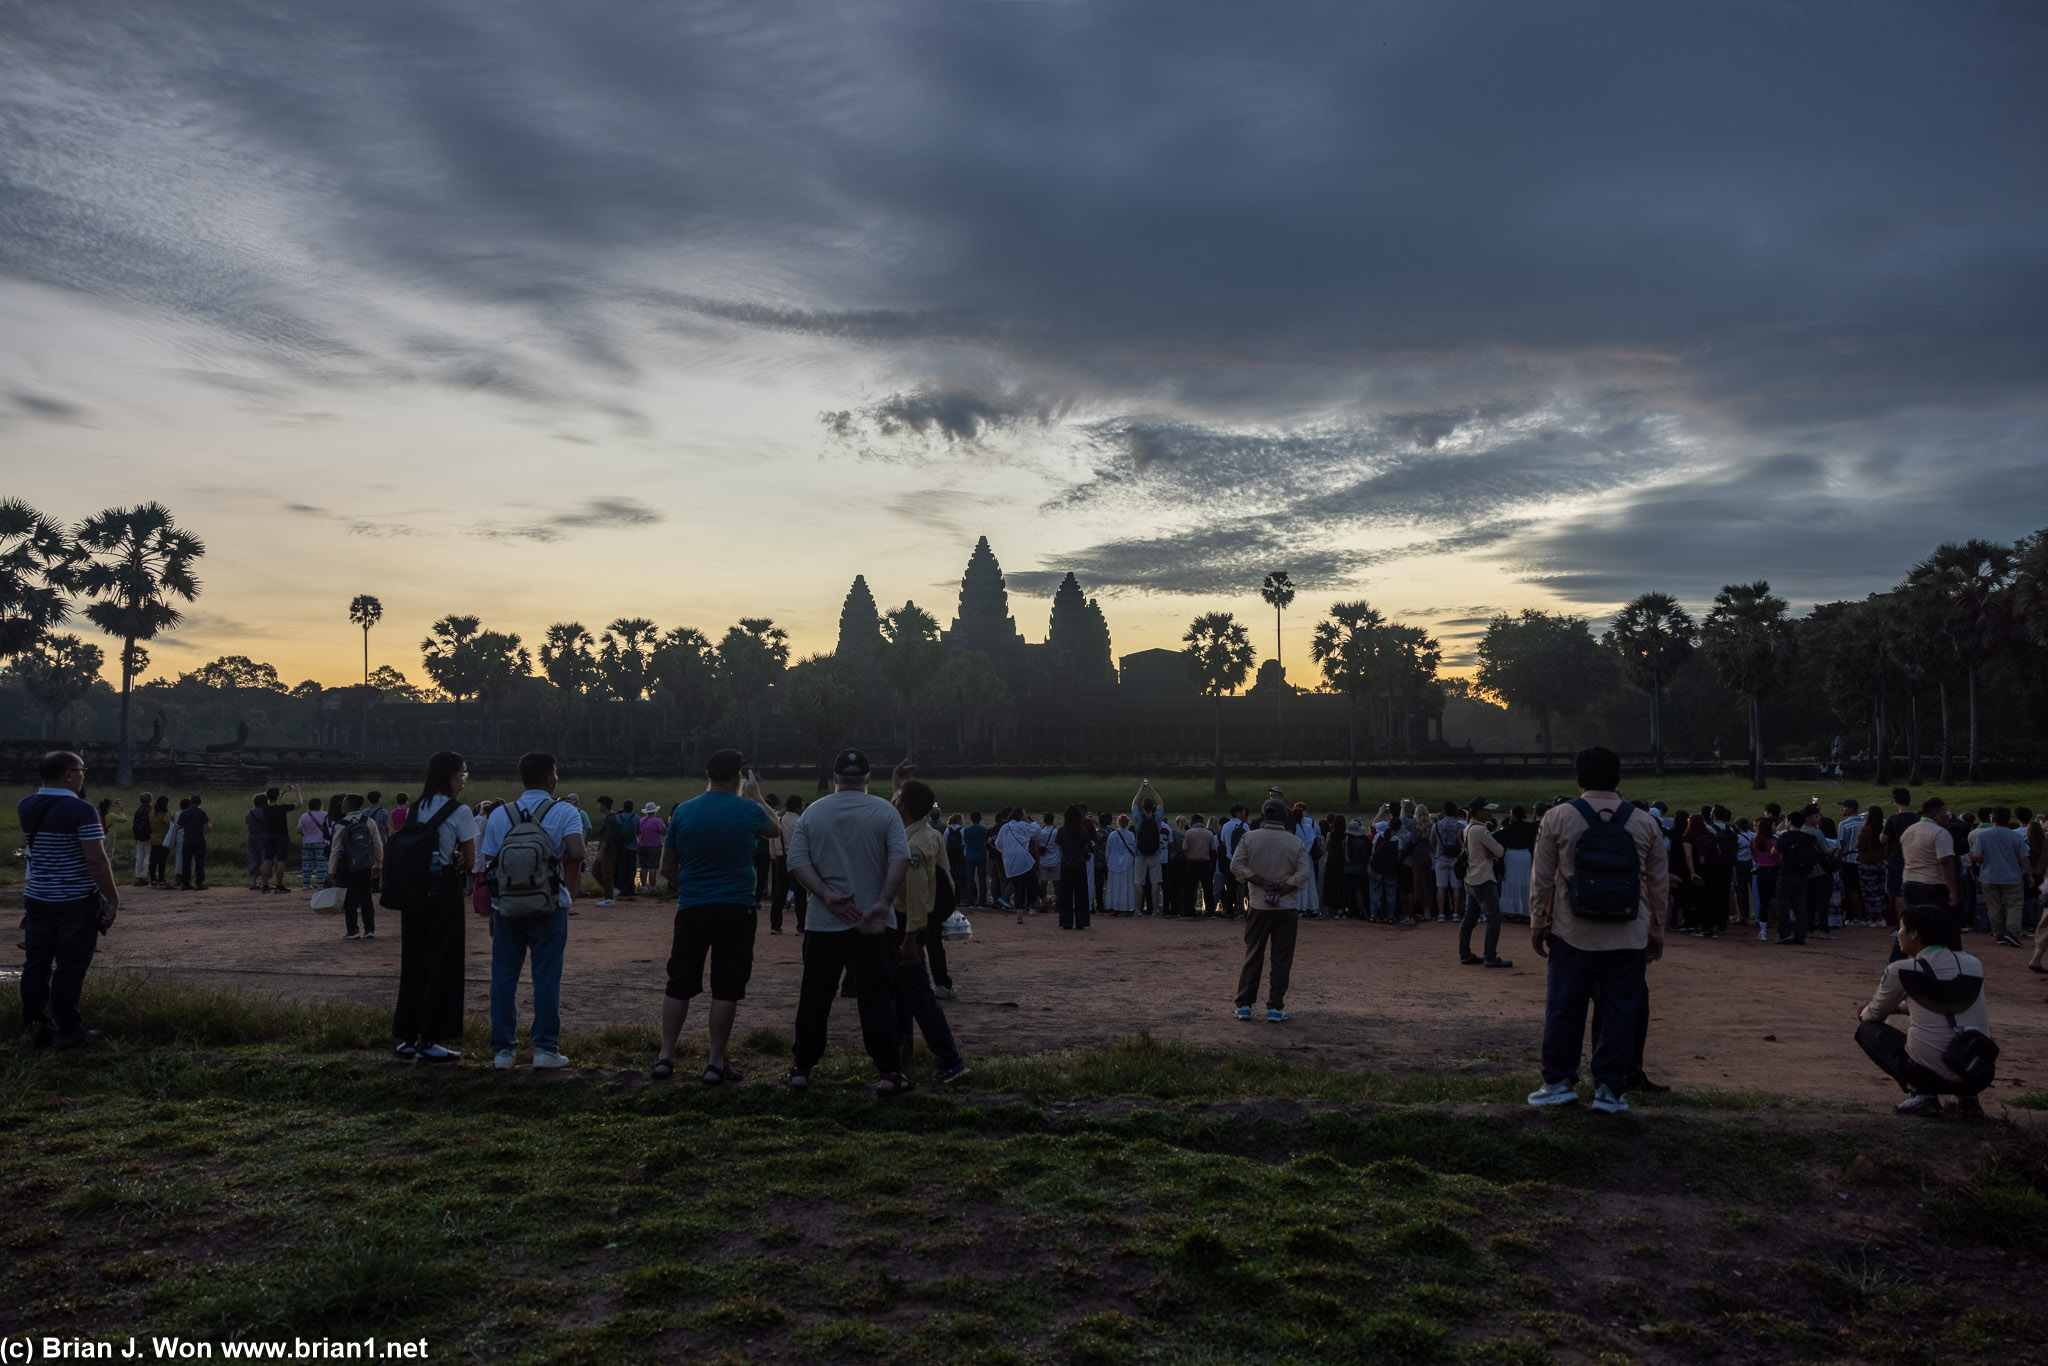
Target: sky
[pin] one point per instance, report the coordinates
(548, 312)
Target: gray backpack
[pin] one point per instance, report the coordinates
(528, 870)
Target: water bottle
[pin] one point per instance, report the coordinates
(436, 864)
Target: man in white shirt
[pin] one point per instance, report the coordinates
(545, 936)
(851, 852)
(787, 887)
(1016, 842)
(1942, 994)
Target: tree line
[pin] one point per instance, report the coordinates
(1890, 664)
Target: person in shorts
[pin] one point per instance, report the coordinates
(709, 854)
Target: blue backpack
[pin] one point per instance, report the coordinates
(1607, 867)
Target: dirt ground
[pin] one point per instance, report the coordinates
(1731, 1014)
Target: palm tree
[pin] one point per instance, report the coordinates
(1346, 644)
(56, 672)
(1748, 640)
(449, 656)
(1409, 659)
(623, 664)
(365, 611)
(751, 658)
(685, 669)
(823, 697)
(908, 656)
(139, 562)
(1278, 591)
(1861, 669)
(1219, 659)
(38, 572)
(2030, 587)
(566, 659)
(1653, 636)
(1969, 581)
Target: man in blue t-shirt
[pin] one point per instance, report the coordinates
(709, 854)
(70, 899)
(974, 850)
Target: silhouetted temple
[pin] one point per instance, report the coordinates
(984, 622)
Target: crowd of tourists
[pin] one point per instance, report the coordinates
(893, 870)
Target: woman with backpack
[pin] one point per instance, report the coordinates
(353, 862)
(426, 867)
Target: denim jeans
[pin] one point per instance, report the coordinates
(1386, 896)
(1613, 979)
(974, 891)
(1481, 899)
(545, 936)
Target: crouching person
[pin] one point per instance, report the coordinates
(1946, 1049)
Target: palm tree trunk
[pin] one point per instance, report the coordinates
(1657, 721)
(1222, 789)
(629, 737)
(124, 764)
(1353, 719)
(1973, 722)
(1758, 779)
(1948, 745)
(1279, 694)
(1884, 755)
(1913, 743)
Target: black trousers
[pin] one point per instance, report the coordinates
(1202, 885)
(1886, 1047)
(1073, 895)
(934, 941)
(61, 937)
(192, 864)
(870, 961)
(1797, 897)
(159, 861)
(916, 1004)
(357, 901)
(778, 891)
(1714, 902)
(760, 873)
(430, 963)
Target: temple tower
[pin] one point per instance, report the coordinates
(1077, 639)
(984, 622)
(860, 627)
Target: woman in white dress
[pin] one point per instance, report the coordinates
(1048, 858)
(1518, 837)
(1120, 855)
(1308, 901)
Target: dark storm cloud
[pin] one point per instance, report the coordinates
(1346, 257)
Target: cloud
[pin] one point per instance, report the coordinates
(1338, 278)
(47, 408)
(364, 526)
(591, 513)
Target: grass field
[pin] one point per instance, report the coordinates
(229, 1168)
(1041, 794)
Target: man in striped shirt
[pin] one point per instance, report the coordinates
(69, 900)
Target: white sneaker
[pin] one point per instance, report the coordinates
(1555, 1093)
(606, 901)
(504, 1060)
(549, 1059)
(1607, 1103)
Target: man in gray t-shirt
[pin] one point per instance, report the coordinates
(849, 851)
(2000, 853)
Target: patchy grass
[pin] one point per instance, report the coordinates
(227, 1167)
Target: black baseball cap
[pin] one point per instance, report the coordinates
(851, 763)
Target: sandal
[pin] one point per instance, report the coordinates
(894, 1084)
(797, 1080)
(664, 1069)
(721, 1074)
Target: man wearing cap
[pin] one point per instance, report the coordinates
(1482, 888)
(1274, 867)
(1847, 832)
(850, 853)
(709, 856)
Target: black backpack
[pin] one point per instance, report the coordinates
(1971, 1054)
(1728, 842)
(358, 843)
(1148, 834)
(409, 876)
(955, 850)
(1607, 868)
(1799, 853)
(1357, 849)
(1386, 855)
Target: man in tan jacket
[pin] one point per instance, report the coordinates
(1600, 923)
(1275, 867)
